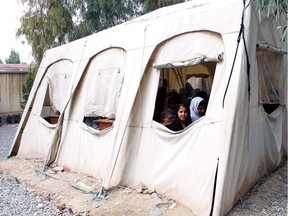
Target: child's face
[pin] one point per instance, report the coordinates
(182, 113)
(201, 110)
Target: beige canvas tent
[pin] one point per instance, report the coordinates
(111, 78)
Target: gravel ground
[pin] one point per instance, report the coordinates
(267, 197)
(7, 133)
(16, 199)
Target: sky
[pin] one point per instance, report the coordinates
(10, 14)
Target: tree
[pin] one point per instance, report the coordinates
(13, 58)
(150, 5)
(49, 23)
(97, 15)
(46, 24)
(27, 86)
(1, 61)
(274, 8)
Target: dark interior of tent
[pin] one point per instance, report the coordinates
(49, 112)
(179, 85)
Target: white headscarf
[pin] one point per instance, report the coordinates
(193, 108)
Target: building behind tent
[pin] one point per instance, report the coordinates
(12, 78)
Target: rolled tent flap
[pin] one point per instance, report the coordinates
(265, 46)
(190, 62)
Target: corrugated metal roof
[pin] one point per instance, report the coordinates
(14, 68)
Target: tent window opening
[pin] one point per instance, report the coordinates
(58, 86)
(271, 80)
(49, 112)
(180, 85)
(103, 84)
(102, 98)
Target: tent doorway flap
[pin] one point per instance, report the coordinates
(190, 62)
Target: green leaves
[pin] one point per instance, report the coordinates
(150, 5)
(13, 58)
(46, 24)
(27, 86)
(102, 14)
(274, 8)
(49, 23)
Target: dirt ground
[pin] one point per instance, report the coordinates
(77, 193)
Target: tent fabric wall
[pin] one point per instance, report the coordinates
(251, 142)
(236, 138)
